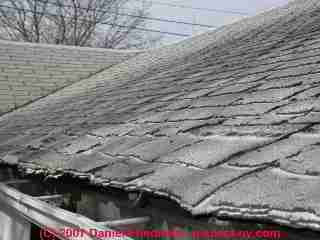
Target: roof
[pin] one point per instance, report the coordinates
(226, 122)
(31, 71)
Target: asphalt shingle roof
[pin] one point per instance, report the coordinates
(31, 71)
(226, 122)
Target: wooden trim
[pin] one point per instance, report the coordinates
(47, 216)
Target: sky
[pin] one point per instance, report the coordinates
(218, 19)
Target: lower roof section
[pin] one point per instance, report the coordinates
(30, 71)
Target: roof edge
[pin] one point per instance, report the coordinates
(60, 46)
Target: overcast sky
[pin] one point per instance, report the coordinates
(249, 7)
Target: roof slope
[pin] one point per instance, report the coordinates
(29, 71)
(226, 122)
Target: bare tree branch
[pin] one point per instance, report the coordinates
(75, 22)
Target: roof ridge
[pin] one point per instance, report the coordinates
(61, 46)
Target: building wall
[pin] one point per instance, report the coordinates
(30, 71)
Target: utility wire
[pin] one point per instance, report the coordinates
(149, 30)
(196, 8)
(135, 16)
(173, 21)
(104, 23)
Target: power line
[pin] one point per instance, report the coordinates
(105, 23)
(149, 30)
(196, 8)
(136, 16)
(169, 21)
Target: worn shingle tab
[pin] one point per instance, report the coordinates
(227, 122)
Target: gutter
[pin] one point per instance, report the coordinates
(49, 217)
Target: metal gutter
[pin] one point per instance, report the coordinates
(49, 217)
